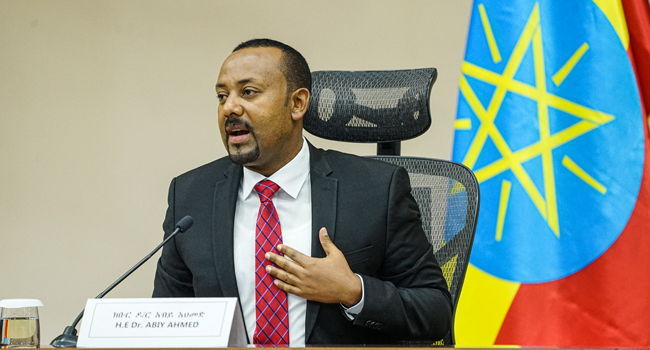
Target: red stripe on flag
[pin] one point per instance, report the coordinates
(637, 16)
(607, 304)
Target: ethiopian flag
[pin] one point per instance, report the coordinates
(553, 119)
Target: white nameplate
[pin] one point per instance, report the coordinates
(162, 323)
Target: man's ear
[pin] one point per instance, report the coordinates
(300, 102)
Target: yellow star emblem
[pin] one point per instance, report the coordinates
(513, 160)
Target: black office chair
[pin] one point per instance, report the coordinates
(387, 107)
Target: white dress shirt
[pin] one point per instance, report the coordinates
(293, 204)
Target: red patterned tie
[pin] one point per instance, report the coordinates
(271, 311)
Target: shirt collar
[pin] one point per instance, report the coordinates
(290, 177)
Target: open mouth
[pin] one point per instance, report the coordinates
(237, 130)
(237, 133)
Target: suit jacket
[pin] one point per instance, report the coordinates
(370, 215)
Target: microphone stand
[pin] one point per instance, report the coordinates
(68, 339)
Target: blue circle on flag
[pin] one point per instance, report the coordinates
(550, 121)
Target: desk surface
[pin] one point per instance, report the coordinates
(356, 347)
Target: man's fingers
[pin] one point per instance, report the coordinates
(282, 262)
(284, 280)
(287, 287)
(295, 255)
(283, 275)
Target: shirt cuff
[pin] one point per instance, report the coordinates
(352, 311)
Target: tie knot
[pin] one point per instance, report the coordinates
(266, 189)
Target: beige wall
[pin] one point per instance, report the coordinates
(103, 102)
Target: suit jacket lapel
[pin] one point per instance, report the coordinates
(223, 216)
(323, 214)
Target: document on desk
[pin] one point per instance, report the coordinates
(162, 323)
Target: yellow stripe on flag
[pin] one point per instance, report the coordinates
(559, 77)
(503, 207)
(583, 175)
(464, 124)
(613, 10)
(483, 305)
(492, 43)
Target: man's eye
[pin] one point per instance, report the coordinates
(248, 92)
(222, 97)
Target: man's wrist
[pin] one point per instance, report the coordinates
(356, 292)
(352, 312)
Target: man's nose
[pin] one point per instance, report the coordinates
(232, 106)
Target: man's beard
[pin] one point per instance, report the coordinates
(243, 158)
(239, 157)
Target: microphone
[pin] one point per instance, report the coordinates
(69, 337)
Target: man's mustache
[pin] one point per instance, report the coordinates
(237, 122)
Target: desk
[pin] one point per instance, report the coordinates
(357, 347)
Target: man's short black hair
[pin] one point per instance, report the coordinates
(295, 68)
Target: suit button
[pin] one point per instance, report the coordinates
(369, 324)
(378, 326)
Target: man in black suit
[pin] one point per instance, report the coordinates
(354, 262)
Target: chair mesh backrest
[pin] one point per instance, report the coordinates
(370, 106)
(448, 196)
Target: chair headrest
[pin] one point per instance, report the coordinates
(370, 106)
